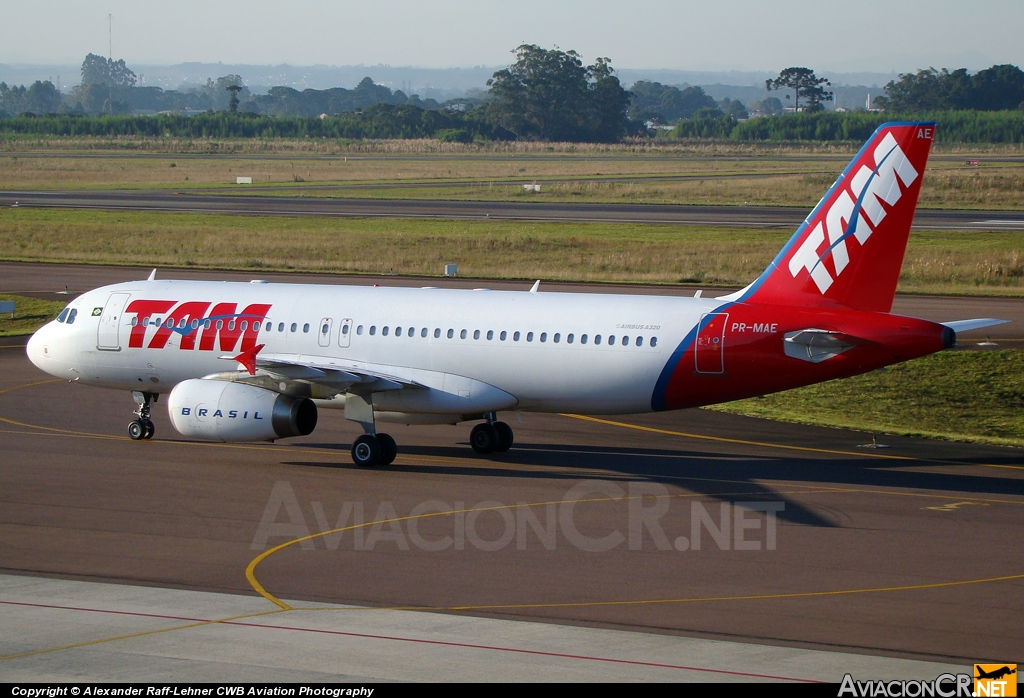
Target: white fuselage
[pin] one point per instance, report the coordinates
(592, 353)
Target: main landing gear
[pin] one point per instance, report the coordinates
(142, 428)
(374, 449)
(491, 436)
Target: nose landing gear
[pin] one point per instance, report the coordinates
(142, 428)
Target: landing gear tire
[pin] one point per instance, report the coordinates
(137, 429)
(150, 429)
(484, 438)
(388, 449)
(366, 451)
(505, 437)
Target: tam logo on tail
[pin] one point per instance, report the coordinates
(851, 209)
(873, 201)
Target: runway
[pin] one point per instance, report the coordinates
(729, 216)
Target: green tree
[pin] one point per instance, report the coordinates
(804, 83)
(233, 104)
(551, 95)
(654, 101)
(97, 70)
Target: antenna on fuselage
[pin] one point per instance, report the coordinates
(536, 287)
(152, 276)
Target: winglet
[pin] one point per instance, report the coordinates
(536, 287)
(152, 276)
(248, 358)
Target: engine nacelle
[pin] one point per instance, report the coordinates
(229, 411)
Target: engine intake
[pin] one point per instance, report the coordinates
(229, 411)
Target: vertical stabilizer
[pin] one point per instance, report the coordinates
(850, 249)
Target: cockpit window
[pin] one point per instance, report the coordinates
(72, 315)
(63, 315)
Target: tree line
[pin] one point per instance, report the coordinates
(549, 95)
(953, 126)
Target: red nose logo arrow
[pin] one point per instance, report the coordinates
(248, 358)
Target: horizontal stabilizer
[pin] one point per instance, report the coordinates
(975, 324)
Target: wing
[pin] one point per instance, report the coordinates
(320, 377)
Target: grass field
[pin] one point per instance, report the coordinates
(705, 173)
(960, 395)
(938, 262)
(30, 314)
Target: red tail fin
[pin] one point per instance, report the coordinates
(850, 249)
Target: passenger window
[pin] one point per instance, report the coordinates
(611, 340)
(583, 339)
(323, 329)
(412, 331)
(305, 328)
(451, 333)
(344, 329)
(359, 330)
(639, 341)
(515, 336)
(462, 335)
(625, 341)
(503, 335)
(72, 315)
(654, 341)
(437, 333)
(529, 336)
(207, 323)
(384, 331)
(543, 336)
(280, 327)
(64, 314)
(558, 336)
(231, 324)
(569, 339)
(373, 330)
(423, 332)
(476, 334)
(398, 331)
(244, 325)
(597, 339)
(490, 334)
(60, 318)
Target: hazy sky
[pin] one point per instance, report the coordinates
(866, 35)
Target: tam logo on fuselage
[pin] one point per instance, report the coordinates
(858, 206)
(221, 329)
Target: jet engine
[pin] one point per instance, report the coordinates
(229, 411)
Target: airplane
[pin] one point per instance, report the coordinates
(994, 674)
(253, 361)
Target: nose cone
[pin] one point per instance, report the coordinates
(38, 349)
